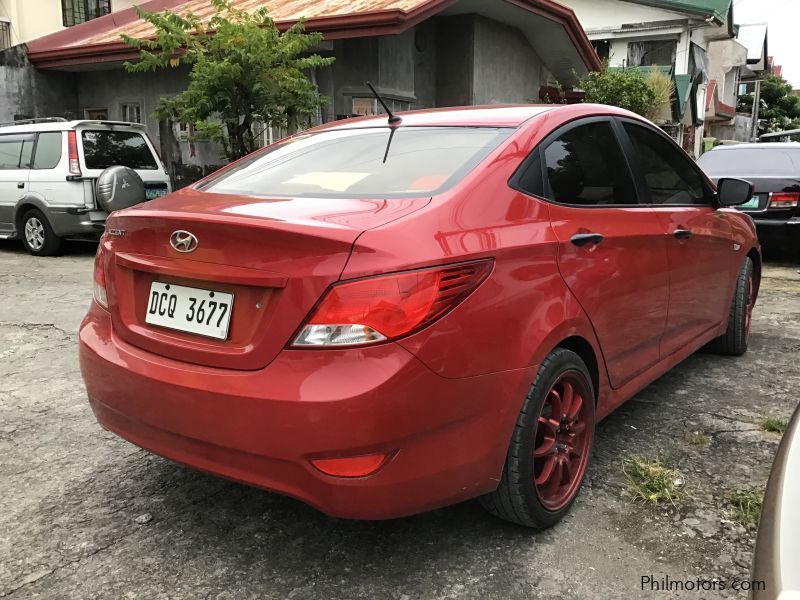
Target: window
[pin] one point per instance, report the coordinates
(75, 12)
(603, 48)
(132, 112)
(96, 114)
(646, 54)
(5, 34)
(669, 174)
(381, 162)
(104, 148)
(586, 166)
(48, 150)
(367, 107)
(15, 151)
(738, 162)
(529, 179)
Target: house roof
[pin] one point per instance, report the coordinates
(99, 40)
(718, 9)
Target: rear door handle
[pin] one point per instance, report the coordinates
(21, 185)
(581, 239)
(682, 234)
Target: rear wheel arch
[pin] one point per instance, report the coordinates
(583, 348)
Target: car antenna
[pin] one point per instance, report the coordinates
(393, 118)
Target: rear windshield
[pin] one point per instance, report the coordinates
(751, 161)
(362, 163)
(105, 148)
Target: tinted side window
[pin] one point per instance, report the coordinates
(586, 166)
(48, 151)
(530, 180)
(670, 176)
(11, 151)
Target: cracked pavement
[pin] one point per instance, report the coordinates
(84, 514)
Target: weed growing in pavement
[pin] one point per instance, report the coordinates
(746, 506)
(652, 481)
(697, 438)
(774, 424)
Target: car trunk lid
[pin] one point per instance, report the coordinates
(275, 255)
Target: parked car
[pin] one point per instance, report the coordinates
(380, 319)
(778, 543)
(48, 168)
(774, 170)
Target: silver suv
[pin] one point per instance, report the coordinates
(48, 170)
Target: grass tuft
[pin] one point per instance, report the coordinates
(652, 481)
(774, 424)
(697, 438)
(746, 506)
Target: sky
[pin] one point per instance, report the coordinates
(783, 18)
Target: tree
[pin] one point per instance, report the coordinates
(626, 88)
(779, 107)
(243, 71)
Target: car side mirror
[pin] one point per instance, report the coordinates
(734, 192)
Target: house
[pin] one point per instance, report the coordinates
(692, 40)
(24, 20)
(755, 38)
(419, 54)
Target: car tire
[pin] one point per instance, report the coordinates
(37, 235)
(533, 491)
(735, 339)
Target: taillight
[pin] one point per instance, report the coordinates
(784, 200)
(387, 307)
(74, 162)
(100, 295)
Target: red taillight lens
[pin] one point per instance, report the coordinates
(100, 295)
(74, 162)
(353, 466)
(387, 307)
(784, 200)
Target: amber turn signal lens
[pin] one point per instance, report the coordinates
(353, 466)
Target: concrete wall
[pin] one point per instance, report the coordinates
(31, 19)
(26, 92)
(506, 68)
(110, 89)
(455, 60)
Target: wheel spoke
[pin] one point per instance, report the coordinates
(547, 470)
(556, 403)
(557, 476)
(567, 400)
(577, 428)
(551, 424)
(575, 409)
(547, 446)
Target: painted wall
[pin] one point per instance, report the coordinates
(31, 19)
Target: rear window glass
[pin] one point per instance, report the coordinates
(751, 161)
(105, 148)
(368, 163)
(48, 151)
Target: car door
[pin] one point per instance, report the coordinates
(612, 253)
(700, 249)
(15, 156)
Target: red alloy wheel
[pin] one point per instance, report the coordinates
(562, 441)
(748, 309)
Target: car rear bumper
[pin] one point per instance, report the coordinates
(69, 221)
(794, 222)
(447, 437)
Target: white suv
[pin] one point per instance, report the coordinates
(48, 170)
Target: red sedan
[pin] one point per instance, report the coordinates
(381, 318)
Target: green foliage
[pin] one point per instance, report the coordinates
(774, 424)
(652, 481)
(746, 506)
(625, 88)
(243, 71)
(779, 107)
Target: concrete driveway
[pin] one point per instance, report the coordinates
(85, 515)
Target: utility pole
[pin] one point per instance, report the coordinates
(756, 108)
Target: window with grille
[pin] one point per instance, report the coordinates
(5, 35)
(132, 112)
(646, 54)
(80, 11)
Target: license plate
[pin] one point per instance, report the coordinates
(750, 204)
(201, 312)
(153, 193)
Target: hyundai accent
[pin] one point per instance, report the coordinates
(381, 318)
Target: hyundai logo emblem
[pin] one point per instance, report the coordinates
(183, 241)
